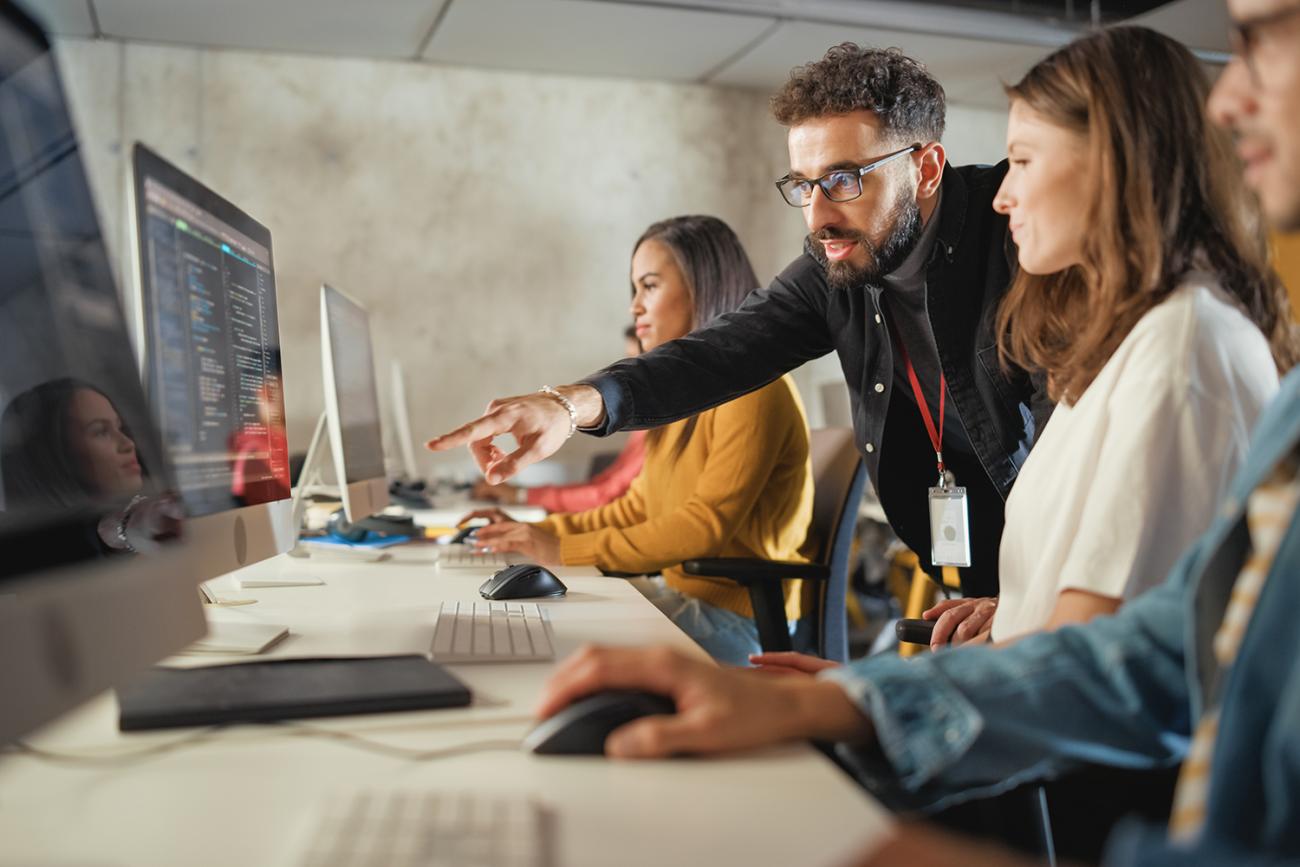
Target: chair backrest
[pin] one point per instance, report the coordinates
(839, 475)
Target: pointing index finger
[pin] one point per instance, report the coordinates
(482, 428)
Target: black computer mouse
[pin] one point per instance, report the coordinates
(522, 581)
(393, 525)
(464, 535)
(581, 728)
(340, 528)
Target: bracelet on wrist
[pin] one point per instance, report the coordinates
(564, 402)
(125, 519)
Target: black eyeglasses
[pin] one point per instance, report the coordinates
(841, 185)
(1244, 36)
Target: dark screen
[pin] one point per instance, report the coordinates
(213, 341)
(76, 440)
(354, 388)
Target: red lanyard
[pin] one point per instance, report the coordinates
(936, 434)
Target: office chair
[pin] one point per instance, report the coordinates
(838, 478)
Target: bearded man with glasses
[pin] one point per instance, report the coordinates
(903, 267)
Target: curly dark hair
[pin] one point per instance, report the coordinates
(884, 81)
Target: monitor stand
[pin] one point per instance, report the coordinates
(310, 481)
(252, 637)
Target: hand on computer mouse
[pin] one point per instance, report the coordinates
(961, 621)
(719, 709)
(465, 535)
(492, 516)
(534, 543)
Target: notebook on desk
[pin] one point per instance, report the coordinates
(281, 689)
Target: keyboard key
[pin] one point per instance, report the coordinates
(492, 632)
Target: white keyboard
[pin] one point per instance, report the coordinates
(465, 557)
(492, 632)
(428, 829)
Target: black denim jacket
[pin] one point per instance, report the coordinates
(799, 317)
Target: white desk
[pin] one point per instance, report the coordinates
(245, 795)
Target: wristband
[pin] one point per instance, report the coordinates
(126, 519)
(564, 402)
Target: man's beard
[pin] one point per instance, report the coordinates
(881, 260)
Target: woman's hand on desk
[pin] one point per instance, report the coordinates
(538, 422)
(532, 542)
(961, 621)
(719, 709)
(789, 662)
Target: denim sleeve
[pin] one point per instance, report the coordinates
(972, 722)
(773, 332)
(1136, 844)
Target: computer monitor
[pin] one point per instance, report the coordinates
(79, 459)
(209, 335)
(352, 404)
(402, 423)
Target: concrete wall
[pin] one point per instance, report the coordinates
(486, 218)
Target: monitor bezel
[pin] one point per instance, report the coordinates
(364, 497)
(234, 538)
(402, 421)
(69, 633)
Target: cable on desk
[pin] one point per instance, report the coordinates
(346, 738)
(24, 748)
(363, 743)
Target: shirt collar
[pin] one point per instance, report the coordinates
(911, 271)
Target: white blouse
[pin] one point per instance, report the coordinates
(1120, 484)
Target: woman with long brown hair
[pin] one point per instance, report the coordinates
(1145, 297)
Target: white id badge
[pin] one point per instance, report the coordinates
(949, 528)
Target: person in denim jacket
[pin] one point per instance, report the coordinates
(1208, 662)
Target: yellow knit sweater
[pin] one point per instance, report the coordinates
(742, 487)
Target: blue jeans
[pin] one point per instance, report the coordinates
(727, 636)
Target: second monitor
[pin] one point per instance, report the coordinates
(352, 404)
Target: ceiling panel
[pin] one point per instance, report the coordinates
(909, 16)
(591, 38)
(393, 28)
(970, 71)
(62, 17)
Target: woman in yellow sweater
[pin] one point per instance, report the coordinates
(733, 481)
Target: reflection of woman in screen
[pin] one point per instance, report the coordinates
(66, 452)
(63, 444)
